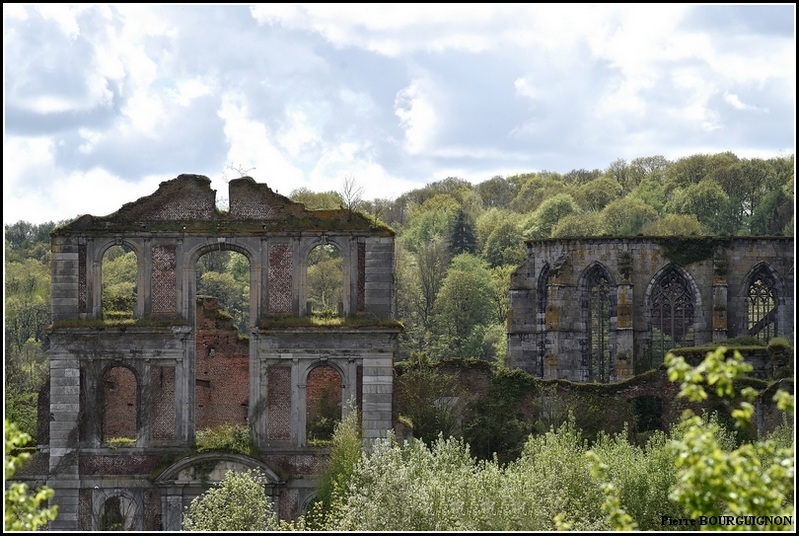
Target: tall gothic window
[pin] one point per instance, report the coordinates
(761, 306)
(599, 313)
(672, 312)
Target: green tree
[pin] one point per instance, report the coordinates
(464, 301)
(651, 192)
(505, 245)
(345, 453)
(119, 283)
(646, 168)
(710, 204)
(627, 216)
(24, 509)
(237, 503)
(595, 195)
(497, 192)
(755, 479)
(773, 215)
(535, 190)
(434, 218)
(231, 295)
(317, 200)
(548, 214)
(462, 238)
(579, 225)
(675, 225)
(430, 398)
(325, 279)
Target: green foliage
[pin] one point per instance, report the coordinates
(674, 225)
(434, 218)
(431, 399)
(344, 455)
(549, 213)
(495, 426)
(226, 438)
(231, 295)
(325, 280)
(237, 503)
(627, 216)
(316, 200)
(464, 301)
(579, 225)
(685, 251)
(24, 509)
(462, 239)
(505, 245)
(708, 202)
(596, 194)
(755, 479)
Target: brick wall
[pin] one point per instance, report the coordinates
(120, 411)
(222, 370)
(323, 392)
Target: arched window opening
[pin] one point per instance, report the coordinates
(599, 313)
(120, 409)
(672, 306)
(323, 403)
(222, 381)
(761, 307)
(225, 276)
(119, 283)
(325, 282)
(117, 514)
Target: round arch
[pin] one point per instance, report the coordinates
(189, 276)
(101, 247)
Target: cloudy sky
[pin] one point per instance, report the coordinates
(103, 102)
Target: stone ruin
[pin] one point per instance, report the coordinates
(604, 309)
(175, 368)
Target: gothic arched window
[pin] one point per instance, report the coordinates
(761, 306)
(598, 325)
(672, 305)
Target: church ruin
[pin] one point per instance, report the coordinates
(604, 309)
(155, 381)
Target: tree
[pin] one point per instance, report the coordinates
(24, 510)
(627, 216)
(325, 279)
(596, 194)
(535, 190)
(579, 225)
(675, 225)
(755, 479)
(497, 192)
(505, 245)
(462, 238)
(549, 213)
(317, 200)
(710, 204)
(464, 301)
(237, 503)
(351, 193)
(345, 453)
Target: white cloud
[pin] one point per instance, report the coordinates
(418, 117)
(252, 148)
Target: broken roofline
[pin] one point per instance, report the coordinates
(188, 204)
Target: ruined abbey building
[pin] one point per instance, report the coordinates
(174, 370)
(604, 309)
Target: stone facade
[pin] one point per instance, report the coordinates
(603, 309)
(171, 372)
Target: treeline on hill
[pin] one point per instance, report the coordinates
(457, 244)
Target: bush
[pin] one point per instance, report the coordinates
(237, 503)
(226, 438)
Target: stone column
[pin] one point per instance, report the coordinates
(624, 331)
(64, 436)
